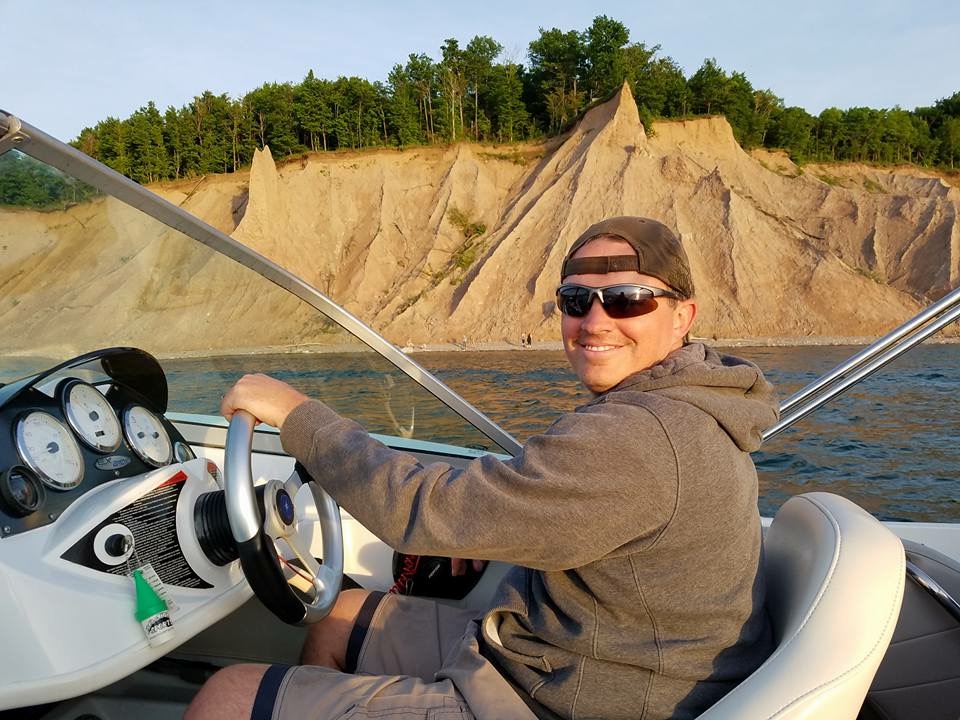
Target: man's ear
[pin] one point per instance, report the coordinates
(683, 317)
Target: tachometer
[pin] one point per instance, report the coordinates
(91, 416)
(147, 436)
(48, 448)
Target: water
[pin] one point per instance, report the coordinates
(889, 444)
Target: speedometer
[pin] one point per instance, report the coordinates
(49, 449)
(147, 436)
(89, 413)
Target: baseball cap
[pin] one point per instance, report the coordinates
(658, 252)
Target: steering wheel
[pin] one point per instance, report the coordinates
(256, 536)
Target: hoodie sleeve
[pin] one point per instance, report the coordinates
(595, 481)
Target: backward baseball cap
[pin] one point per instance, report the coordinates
(658, 252)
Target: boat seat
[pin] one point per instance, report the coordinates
(835, 580)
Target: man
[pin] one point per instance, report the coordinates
(633, 523)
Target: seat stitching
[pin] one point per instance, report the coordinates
(853, 667)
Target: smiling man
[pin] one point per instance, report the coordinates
(632, 524)
(645, 294)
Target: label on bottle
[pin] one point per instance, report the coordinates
(158, 628)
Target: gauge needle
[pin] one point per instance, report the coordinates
(52, 448)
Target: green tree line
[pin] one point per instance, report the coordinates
(469, 93)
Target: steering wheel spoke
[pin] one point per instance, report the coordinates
(301, 549)
(293, 483)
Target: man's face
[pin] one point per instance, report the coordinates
(603, 350)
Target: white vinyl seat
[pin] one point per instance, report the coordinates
(835, 580)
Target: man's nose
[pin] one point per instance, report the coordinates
(596, 317)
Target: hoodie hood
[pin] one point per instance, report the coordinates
(731, 390)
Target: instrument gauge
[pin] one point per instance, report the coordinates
(49, 449)
(91, 416)
(183, 452)
(147, 436)
(21, 490)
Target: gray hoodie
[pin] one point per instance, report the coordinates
(633, 522)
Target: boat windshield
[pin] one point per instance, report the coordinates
(82, 270)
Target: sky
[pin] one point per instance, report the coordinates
(67, 65)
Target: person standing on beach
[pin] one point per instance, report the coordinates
(632, 524)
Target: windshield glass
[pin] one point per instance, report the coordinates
(80, 270)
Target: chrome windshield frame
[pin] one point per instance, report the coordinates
(16, 134)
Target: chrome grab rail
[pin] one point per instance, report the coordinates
(935, 589)
(860, 366)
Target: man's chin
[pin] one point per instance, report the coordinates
(597, 383)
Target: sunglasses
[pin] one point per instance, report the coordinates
(617, 301)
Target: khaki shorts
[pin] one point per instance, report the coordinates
(417, 659)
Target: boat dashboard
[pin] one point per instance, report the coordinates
(62, 436)
(95, 483)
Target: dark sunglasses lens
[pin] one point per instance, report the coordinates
(618, 302)
(627, 302)
(574, 302)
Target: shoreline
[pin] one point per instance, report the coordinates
(556, 345)
(491, 346)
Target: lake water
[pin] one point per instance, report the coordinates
(889, 444)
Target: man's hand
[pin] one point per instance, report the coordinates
(269, 400)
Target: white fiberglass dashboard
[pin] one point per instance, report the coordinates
(77, 518)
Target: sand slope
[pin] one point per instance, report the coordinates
(774, 252)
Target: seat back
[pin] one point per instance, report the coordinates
(835, 580)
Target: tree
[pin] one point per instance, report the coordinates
(112, 135)
(273, 118)
(765, 104)
(668, 84)
(478, 64)
(146, 145)
(603, 57)
(737, 103)
(831, 133)
(556, 60)
(648, 90)
(404, 113)
(88, 143)
(174, 141)
(949, 107)
(312, 110)
(510, 118)
(422, 74)
(899, 136)
(950, 141)
(453, 84)
(707, 87)
(792, 129)
(864, 130)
